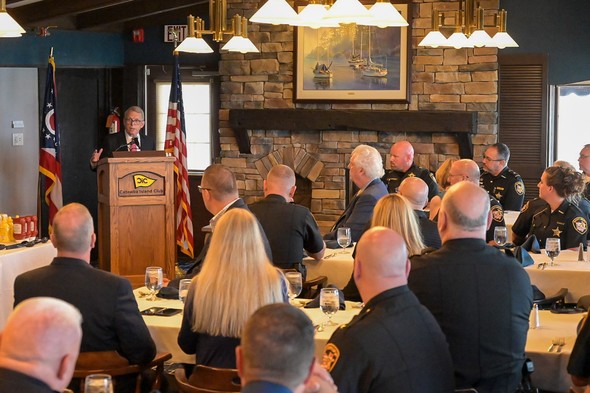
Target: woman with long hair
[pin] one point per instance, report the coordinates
(393, 211)
(237, 278)
(558, 217)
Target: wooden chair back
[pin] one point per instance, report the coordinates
(113, 364)
(208, 380)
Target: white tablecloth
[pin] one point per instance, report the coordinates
(15, 262)
(336, 265)
(569, 273)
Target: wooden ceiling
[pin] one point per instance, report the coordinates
(102, 15)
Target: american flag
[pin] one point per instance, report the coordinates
(50, 149)
(176, 145)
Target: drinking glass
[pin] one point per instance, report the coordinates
(552, 248)
(329, 302)
(295, 284)
(98, 383)
(183, 289)
(343, 237)
(500, 235)
(154, 279)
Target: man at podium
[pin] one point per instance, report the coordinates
(129, 140)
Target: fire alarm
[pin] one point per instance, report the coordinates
(138, 35)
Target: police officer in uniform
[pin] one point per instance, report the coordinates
(559, 218)
(499, 180)
(402, 165)
(394, 344)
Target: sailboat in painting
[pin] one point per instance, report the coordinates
(321, 70)
(356, 60)
(373, 69)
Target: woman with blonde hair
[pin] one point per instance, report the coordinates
(442, 173)
(237, 278)
(393, 211)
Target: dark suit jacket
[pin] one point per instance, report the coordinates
(196, 267)
(113, 142)
(111, 316)
(359, 211)
(429, 230)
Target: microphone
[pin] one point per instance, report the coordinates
(125, 145)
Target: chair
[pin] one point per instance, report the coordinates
(311, 288)
(113, 364)
(208, 380)
(545, 303)
(584, 302)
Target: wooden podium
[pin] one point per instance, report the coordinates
(136, 215)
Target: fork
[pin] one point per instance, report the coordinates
(554, 343)
(561, 344)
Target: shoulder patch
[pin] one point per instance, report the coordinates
(497, 213)
(519, 187)
(580, 225)
(330, 357)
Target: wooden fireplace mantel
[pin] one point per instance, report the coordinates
(460, 124)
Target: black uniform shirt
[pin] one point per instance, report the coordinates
(522, 225)
(507, 188)
(567, 223)
(586, 191)
(393, 345)
(393, 179)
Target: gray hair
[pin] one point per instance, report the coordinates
(368, 158)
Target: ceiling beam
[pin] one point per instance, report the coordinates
(124, 13)
(32, 14)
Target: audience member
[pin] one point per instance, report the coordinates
(499, 180)
(577, 199)
(236, 279)
(220, 194)
(480, 297)
(579, 362)
(416, 193)
(111, 316)
(290, 228)
(394, 344)
(467, 170)
(393, 211)
(584, 162)
(366, 169)
(442, 173)
(133, 121)
(558, 217)
(402, 166)
(39, 346)
(277, 351)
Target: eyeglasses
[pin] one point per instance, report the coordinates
(491, 159)
(134, 121)
(584, 156)
(203, 188)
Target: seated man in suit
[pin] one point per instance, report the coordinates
(111, 316)
(276, 353)
(415, 191)
(480, 297)
(394, 344)
(365, 171)
(129, 140)
(39, 346)
(290, 228)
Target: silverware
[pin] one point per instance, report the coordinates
(330, 256)
(561, 344)
(554, 343)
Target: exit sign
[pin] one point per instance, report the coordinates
(170, 30)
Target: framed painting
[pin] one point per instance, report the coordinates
(353, 62)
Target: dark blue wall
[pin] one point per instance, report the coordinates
(559, 28)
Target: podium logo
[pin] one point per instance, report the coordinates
(142, 181)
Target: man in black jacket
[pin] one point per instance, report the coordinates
(415, 190)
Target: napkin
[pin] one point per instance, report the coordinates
(521, 255)
(315, 303)
(168, 293)
(531, 244)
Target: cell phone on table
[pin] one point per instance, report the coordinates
(161, 311)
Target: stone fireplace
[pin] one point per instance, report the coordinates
(443, 81)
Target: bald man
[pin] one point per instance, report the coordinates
(415, 191)
(290, 228)
(480, 297)
(402, 165)
(467, 170)
(394, 344)
(39, 346)
(112, 321)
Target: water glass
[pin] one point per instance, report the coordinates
(154, 279)
(329, 302)
(183, 289)
(98, 383)
(501, 235)
(552, 248)
(295, 281)
(343, 237)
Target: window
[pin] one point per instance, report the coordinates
(197, 115)
(573, 118)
